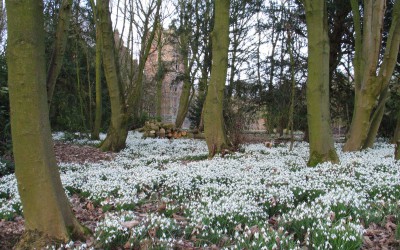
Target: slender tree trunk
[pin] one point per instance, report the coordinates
(376, 119)
(397, 151)
(60, 42)
(47, 213)
(189, 41)
(368, 86)
(319, 124)
(99, 104)
(293, 89)
(78, 86)
(187, 84)
(160, 73)
(99, 108)
(183, 103)
(232, 68)
(118, 129)
(396, 136)
(213, 116)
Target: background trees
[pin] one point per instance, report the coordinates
(267, 59)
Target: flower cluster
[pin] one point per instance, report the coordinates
(261, 198)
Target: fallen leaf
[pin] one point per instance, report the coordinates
(90, 206)
(162, 207)
(152, 232)
(130, 224)
(254, 229)
(332, 216)
(128, 245)
(368, 242)
(239, 228)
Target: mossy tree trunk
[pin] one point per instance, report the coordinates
(189, 41)
(396, 136)
(99, 104)
(160, 72)
(118, 129)
(368, 84)
(208, 21)
(60, 43)
(214, 128)
(376, 119)
(292, 88)
(48, 215)
(187, 84)
(319, 122)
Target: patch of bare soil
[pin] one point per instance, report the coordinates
(66, 152)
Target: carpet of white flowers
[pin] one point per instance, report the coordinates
(161, 193)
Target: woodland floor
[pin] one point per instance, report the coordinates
(87, 214)
(376, 235)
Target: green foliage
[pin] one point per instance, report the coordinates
(73, 105)
(6, 167)
(392, 111)
(5, 126)
(195, 109)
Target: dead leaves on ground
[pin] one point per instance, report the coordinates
(381, 237)
(66, 152)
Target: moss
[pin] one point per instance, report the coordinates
(316, 158)
(33, 239)
(78, 232)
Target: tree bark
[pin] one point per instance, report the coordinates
(187, 84)
(48, 215)
(320, 133)
(396, 136)
(397, 151)
(118, 129)
(368, 84)
(213, 113)
(160, 72)
(376, 119)
(183, 103)
(99, 104)
(292, 89)
(60, 43)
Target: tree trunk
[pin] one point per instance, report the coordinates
(368, 86)
(376, 119)
(213, 113)
(48, 215)
(183, 103)
(118, 130)
(397, 151)
(292, 89)
(396, 136)
(187, 84)
(160, 73)
(60, 42)
(320, 133)
(99, 108)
